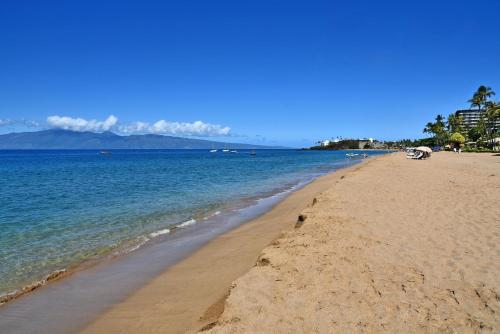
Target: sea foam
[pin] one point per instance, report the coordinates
(187, 223)
(160, 232)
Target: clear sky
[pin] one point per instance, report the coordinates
(270, 72)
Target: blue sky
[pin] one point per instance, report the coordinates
(273, 72)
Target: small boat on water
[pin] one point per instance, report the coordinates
(213, 151)
(105, 153)
(233, 151)
(225, 150)
(353, 156)
(253, 152)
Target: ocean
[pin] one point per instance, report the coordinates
(62, 208)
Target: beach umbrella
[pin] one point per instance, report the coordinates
(424, 149)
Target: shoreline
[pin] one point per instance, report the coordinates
(160, 235)
(64, 278)
(190, 294)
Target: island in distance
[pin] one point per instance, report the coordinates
(65, 139)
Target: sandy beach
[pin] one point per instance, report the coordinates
(391, 245)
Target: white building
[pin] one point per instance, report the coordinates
(325, 142)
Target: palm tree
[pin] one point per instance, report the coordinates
(429, 127)
(485, 92)
(480, 128)
(440, 121)
(476, 101)
(481, 97)
(492, 116)
(440, 130)
(454, 123)
(437, 129)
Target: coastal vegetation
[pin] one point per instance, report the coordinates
(454, 131)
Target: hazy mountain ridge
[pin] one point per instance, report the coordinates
(65, 139)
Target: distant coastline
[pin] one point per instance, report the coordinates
(65, 139)
(349, 144)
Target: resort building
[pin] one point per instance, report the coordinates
(470, 117)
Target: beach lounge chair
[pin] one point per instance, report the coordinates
(410, 153)
(418, 155)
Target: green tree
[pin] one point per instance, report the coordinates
(437, 130)
(475, 101)
(492, 116)
(474, 134)
(481, 97)
(457, 139)
(481, 127)
(454, 123)
(481, 100)
(429, 128)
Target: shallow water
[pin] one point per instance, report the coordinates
(61, 208)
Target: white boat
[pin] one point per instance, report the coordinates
(233, 151)
(356, 156)
(213, 151)
(225, 150)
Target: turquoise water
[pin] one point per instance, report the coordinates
(60, 208)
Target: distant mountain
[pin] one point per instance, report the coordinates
(64, 139)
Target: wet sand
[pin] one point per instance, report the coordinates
(191, 294)
(397, 246)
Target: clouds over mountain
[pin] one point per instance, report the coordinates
(80, 124)
(5, 121)
(161, 127)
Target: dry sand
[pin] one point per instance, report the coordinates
(398, 246)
